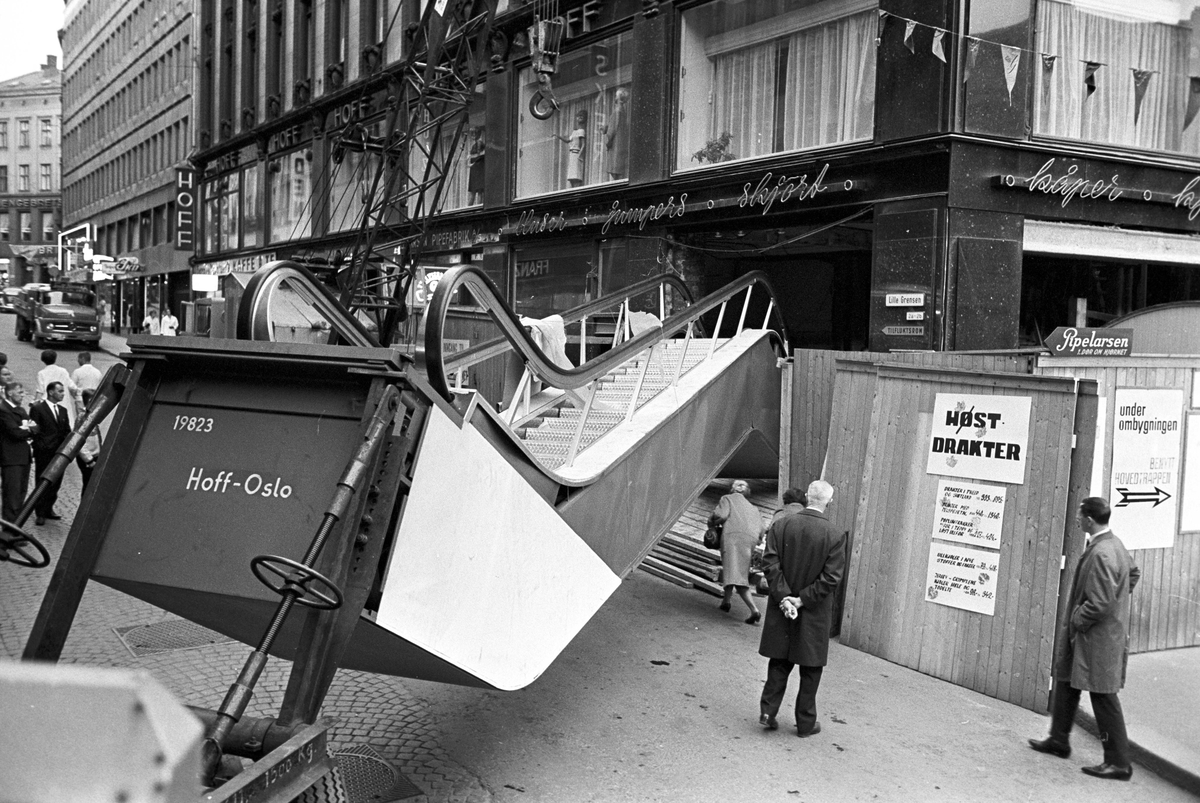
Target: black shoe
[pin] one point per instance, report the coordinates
(40, 520)
(53, 515)
(754, 617)
(1109, 771)
(768, 722)
(816, 728)
(724, 606)
(1052, 747)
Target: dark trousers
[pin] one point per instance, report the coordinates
(15, 482)
(85, 470)
(1110, 721)
(45, 504)
(778, 671)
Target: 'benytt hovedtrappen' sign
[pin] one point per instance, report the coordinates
(980, 437)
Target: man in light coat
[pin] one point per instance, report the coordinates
(1094, 653)
(804, 560)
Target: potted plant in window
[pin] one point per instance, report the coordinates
(715, 150)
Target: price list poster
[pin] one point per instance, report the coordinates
(973, 437)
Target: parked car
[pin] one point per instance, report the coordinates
(8, 299)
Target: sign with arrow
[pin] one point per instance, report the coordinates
(1147, 434)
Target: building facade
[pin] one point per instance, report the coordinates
(127, 132)
(910, 174)
(30, 176)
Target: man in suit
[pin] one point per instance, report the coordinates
(53, 428)
(803, 561)
(1093, 655)
(16, 428)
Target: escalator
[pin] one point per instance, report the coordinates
(488, 535)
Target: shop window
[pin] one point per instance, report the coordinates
(774, 76)
(252, 207)
(5, 233)
(465, 174)
(352, 175)
(1141, 49)
(222, 213)
(48, 228)
(586, 142)
(551, 278)
(26, 219)
(290, 197)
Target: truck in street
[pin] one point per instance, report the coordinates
(57, 312)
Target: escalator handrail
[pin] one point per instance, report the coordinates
(341, 320)
(490, 348)
(487, 295)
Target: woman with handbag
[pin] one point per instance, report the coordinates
(742, 529)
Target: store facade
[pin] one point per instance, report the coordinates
(911, 175)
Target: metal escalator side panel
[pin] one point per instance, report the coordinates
(484, 574)
(639, 495)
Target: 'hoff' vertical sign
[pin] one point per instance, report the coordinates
(185, 209)
(980, 437)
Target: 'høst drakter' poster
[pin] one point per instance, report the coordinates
(980, 437)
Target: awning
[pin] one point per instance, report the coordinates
(1078, 240)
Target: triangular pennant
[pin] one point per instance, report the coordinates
(1048, 62)
(1141, 81)
(939, 48)
(883, 15)
(909, 26)
(1012, 62)
(1193, 104)
(1089, 76)
(972, 54)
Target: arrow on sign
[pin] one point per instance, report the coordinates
(1129, 497)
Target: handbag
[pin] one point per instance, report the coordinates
(712, 536)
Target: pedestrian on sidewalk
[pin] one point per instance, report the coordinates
(53, 428)
(742, 529)
(86, 376)
(804, 561)
(1094, 654)
(53, 372)
(89, 453)
(168, 324)
(150, 324)
(16, 430)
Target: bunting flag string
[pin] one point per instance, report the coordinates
(1011, 59)
(938, 49)
(1141, 81)
(1012, 62)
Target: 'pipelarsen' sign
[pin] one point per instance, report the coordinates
(1071, 341)
(980, 437)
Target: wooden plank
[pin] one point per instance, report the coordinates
(665, 576)
(699, 583)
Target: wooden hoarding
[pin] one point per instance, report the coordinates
(990, 623)
(1144, 394)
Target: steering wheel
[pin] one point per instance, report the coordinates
(17, 543)
(273, 572)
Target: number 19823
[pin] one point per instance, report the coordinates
(192, 423)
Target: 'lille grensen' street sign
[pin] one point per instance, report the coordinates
(1071, 341)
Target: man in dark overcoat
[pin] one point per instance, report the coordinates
(1093, 655)
(804, 560)
(16, 429)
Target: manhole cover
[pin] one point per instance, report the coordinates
(174, 634)
(369, 778)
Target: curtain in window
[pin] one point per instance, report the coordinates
(830, 87)
(743, 99)
(1065, 110)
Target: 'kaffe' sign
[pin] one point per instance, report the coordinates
(980, 437)
(1144, 485)
(1071, 341)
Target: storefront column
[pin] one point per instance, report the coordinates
(907, 275)
(652, 52)
(983, 280)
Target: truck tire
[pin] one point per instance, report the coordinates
(23, 330)
(39, 342)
